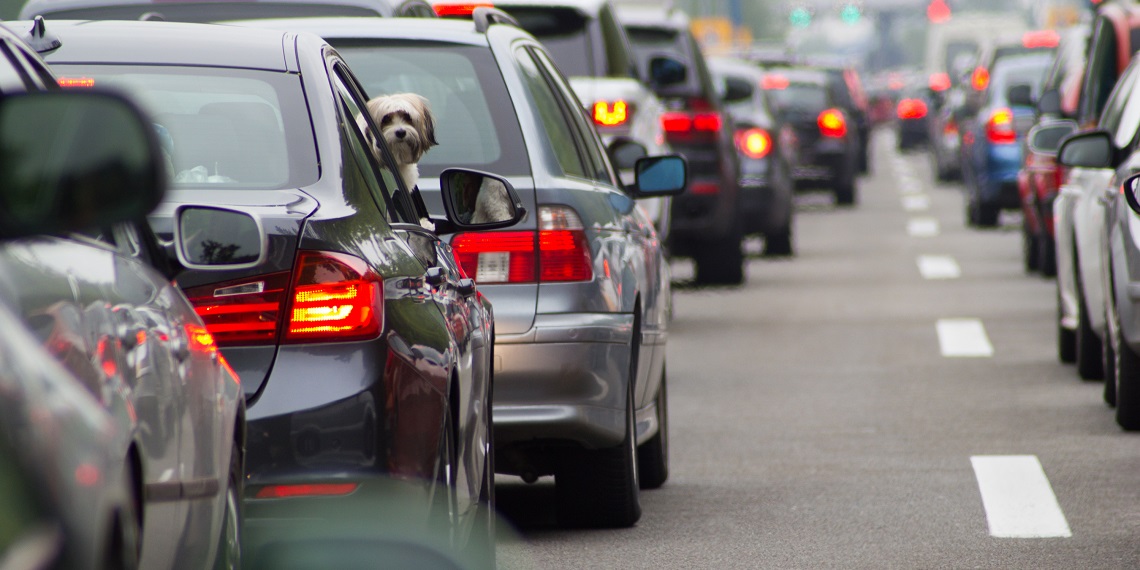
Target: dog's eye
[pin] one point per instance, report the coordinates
(387, 120)
(405, 116)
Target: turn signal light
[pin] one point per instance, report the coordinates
(980, 79)
(753, 143)
(832, 124)
(443, 10)
(608, 115)
(999, 127)
(912, 109)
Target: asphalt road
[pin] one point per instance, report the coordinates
(816, 423)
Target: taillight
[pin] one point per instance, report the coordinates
(708, 122)
(305, 490)
(950, 128)
(611, 115)
(832, 124)
(939, 81)
(335, 296)
(1040, 39)
(911, 109)
(980, 79)
(999, 127)
(676, 122)
(557, 252)
(753, 143)
(774, 82)
(242, 312)
(443, 10)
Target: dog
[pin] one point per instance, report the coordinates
(407, 126)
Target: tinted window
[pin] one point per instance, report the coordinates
(565, 33)
(1102, 72)
(550, 111)
(475, 123)
(1119, 115)
(1019, 70)
(799, 97)
(242, 128)
(587, 136)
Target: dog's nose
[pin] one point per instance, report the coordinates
(401, 133)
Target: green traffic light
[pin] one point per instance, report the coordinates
(850, 14)
(800, 17)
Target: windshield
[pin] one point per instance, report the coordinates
(565, 34)
(799, 97)
(1020, 70)
(233, 127)
(475, 123)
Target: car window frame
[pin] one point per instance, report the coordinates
(522, 59)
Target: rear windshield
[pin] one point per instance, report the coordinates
(1027, 69)
(231, 127)
(204, 12)
(475, 123)
(565, 33)
(799, 97)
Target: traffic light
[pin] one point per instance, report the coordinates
(850, 14)
(800, 17)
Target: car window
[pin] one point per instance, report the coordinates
(620, 61)
(1028, 69)
(565, 33)
(13, 77)
(475, 123)
(1101, 74)
(800, 97)
(1122, 109)
(238, 127)
(599, 168)
(553, 119)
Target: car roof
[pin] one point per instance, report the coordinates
(166, 43)
(586, 6)
(642, 16)
(721, 64)
(448, 30)
(802, 75)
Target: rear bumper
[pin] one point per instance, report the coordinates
(829, 160)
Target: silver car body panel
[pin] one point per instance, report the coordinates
(1088, 231)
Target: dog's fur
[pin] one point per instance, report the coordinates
(407, 126)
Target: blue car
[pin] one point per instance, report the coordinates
(991, 137)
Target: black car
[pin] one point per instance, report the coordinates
(364, 351)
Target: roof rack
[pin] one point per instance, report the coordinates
(485, 16)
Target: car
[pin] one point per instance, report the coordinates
(913, 115)
(992, 132)
(766, 151)
(1078, 211)
(707, 225)
(99, 299)
(828, 146)
(847, 91)
(580, 287)
(365, 352)
(199, 12)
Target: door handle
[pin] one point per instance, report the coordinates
(465, 287)
(436, 276)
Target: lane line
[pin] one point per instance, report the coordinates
(922, 227)
(916, 203)
(963, 338)
(938, 267)
(1018, 499)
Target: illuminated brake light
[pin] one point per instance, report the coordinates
(76, 82)
(243, 312)
(335, 296)
(999, 127)
(911, 109)
(611, 116)
(676, 122)
(774, 82)
(708, 122)
(1040, 39)
(832, 124)
(980, 79)
(557, 252)
(939, 81)
(753, 143)
(310, 490)
(444, 10)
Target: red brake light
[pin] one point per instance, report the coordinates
(980, 79)
(708, 122)
(335, 297)
(563, 252)
(912, 109)
(753, 143)
(74, 82)
(311, 490)
(938, 12)
(999, 127)
(939, 81)
(242, 312)
(832, 124)
(1040, 39)
(611, 116)
(443, 10)
(776, 82)
(950, 128)
(676, 122)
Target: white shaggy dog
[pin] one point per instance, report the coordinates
(405, 122)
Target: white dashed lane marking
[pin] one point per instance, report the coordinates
(963, 338)
(938, 267)
(922, 227)
(1018, 499)
(916, 203)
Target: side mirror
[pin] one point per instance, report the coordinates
(212, 238)
(1087, 150)
(655, 176)
(1049, 103)
(1046, 138)
(1020, 95)
(624, 153)
(1131, 186)
(737, 89)
(73, 161)
(477, 200)
(665, 70)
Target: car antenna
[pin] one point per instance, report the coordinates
(40, 39)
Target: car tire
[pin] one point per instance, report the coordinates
(1029, 254)
(1090, 365)
(1066, 339)
(720, 262)
(987, 215)
(1126, 379)
(600, 488)
(1046, 255)
(778, 243)
(844, 190)
(228, 555)
(1108, 358)
(653, 455)
(123, 545)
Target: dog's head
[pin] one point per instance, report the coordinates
(405, 122)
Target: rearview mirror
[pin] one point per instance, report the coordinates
(1046, 138)
(73, 161)
(1087, 150)
(477, 200)
(1131, 186)
(1020, 95)
(1049, 103)
(211, 238)
(665, 71)
(737, 89)
(664, 175)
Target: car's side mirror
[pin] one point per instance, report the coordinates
(666, 70)
(214, 238)
(1020, 95)
(477, 200)
(1046, 138)
(1087, 150)
(73, 161)
(737, 89)
(1049, 103)
(1131, 186)
(656, 176)
(624, 153)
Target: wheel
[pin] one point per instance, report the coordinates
(600, 488)
(987, 215)
(1066, 339)
(1046, 255)
(778, 243)
(653, 455)
(1126, 379)
(844, 189)
(1089, 364)
(864, 157)
(720, 262)
(1108, 357)
(122, 543)
(228, 556)
(1029, 254)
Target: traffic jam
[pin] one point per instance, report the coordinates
(569, 284)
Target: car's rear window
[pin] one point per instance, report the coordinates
(475, 123)
(205, 12)
(799, 97)
(218, 126)
(1024, 69)
(565, 33)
